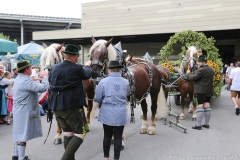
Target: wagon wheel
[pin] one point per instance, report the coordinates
(177, 99)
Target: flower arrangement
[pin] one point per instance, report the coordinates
(217, 81)
(169, 66)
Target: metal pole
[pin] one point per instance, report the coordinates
(22, 34)
(82, 51)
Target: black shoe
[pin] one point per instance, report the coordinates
(16, 158)
(197, 127)
(206, 126)
(26, 158)
(237, 110)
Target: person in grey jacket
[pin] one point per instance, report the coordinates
(111, 94)
(26, 118)
(203, 89)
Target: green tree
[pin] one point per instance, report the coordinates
(2, 36)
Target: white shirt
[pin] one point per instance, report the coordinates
(9, 91)
(229, 70)
(34, 74)
(235, 76)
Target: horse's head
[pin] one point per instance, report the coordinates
(100, 53)
(191, 58)
(51, 55)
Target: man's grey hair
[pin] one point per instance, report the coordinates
(238, 63)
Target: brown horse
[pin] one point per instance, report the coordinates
(163, 71)
(187, 87)
(53, 55)
(146, 78)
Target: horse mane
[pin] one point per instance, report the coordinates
(133, 59)
(192, 49)
(112, 54)
(50, 56)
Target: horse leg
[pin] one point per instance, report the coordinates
(144, 127)
(58, 137)
(191, 107)
(194, 116)
(90, 94)
(182, 116)
(89, 110)
(152, 127)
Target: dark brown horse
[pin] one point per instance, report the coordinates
(187, 87)
(146, 78)
(53, 55)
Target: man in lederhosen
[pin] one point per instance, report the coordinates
(67, 99)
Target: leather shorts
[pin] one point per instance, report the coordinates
(202, 98)
(71, 120)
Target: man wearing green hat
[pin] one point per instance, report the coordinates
(203, 89)
(26, 121)
(67, 98)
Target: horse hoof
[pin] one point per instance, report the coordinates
(122, 148)
(194, 119)
(151, 132)
(57, 141)
(143, 131)
(181, 117)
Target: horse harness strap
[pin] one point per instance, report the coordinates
(150, 77)
(99, 63)
(130, 76)
(131, 80)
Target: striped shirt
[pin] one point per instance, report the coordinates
(112, 94)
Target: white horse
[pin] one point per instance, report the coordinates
(51, 55)
(189, 64)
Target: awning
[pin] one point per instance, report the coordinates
(8, 46)
(31, 51)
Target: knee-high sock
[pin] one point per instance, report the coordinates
(66, 141)
(199, 113)
(21, 151)
(15, 149)
(72, 147)
(207, 113)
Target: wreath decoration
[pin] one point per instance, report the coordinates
(192, 38)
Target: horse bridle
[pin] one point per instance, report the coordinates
(101, 64)
(189, 67)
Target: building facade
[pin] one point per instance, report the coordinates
(146, 25)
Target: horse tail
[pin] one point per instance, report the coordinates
(162, 109)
